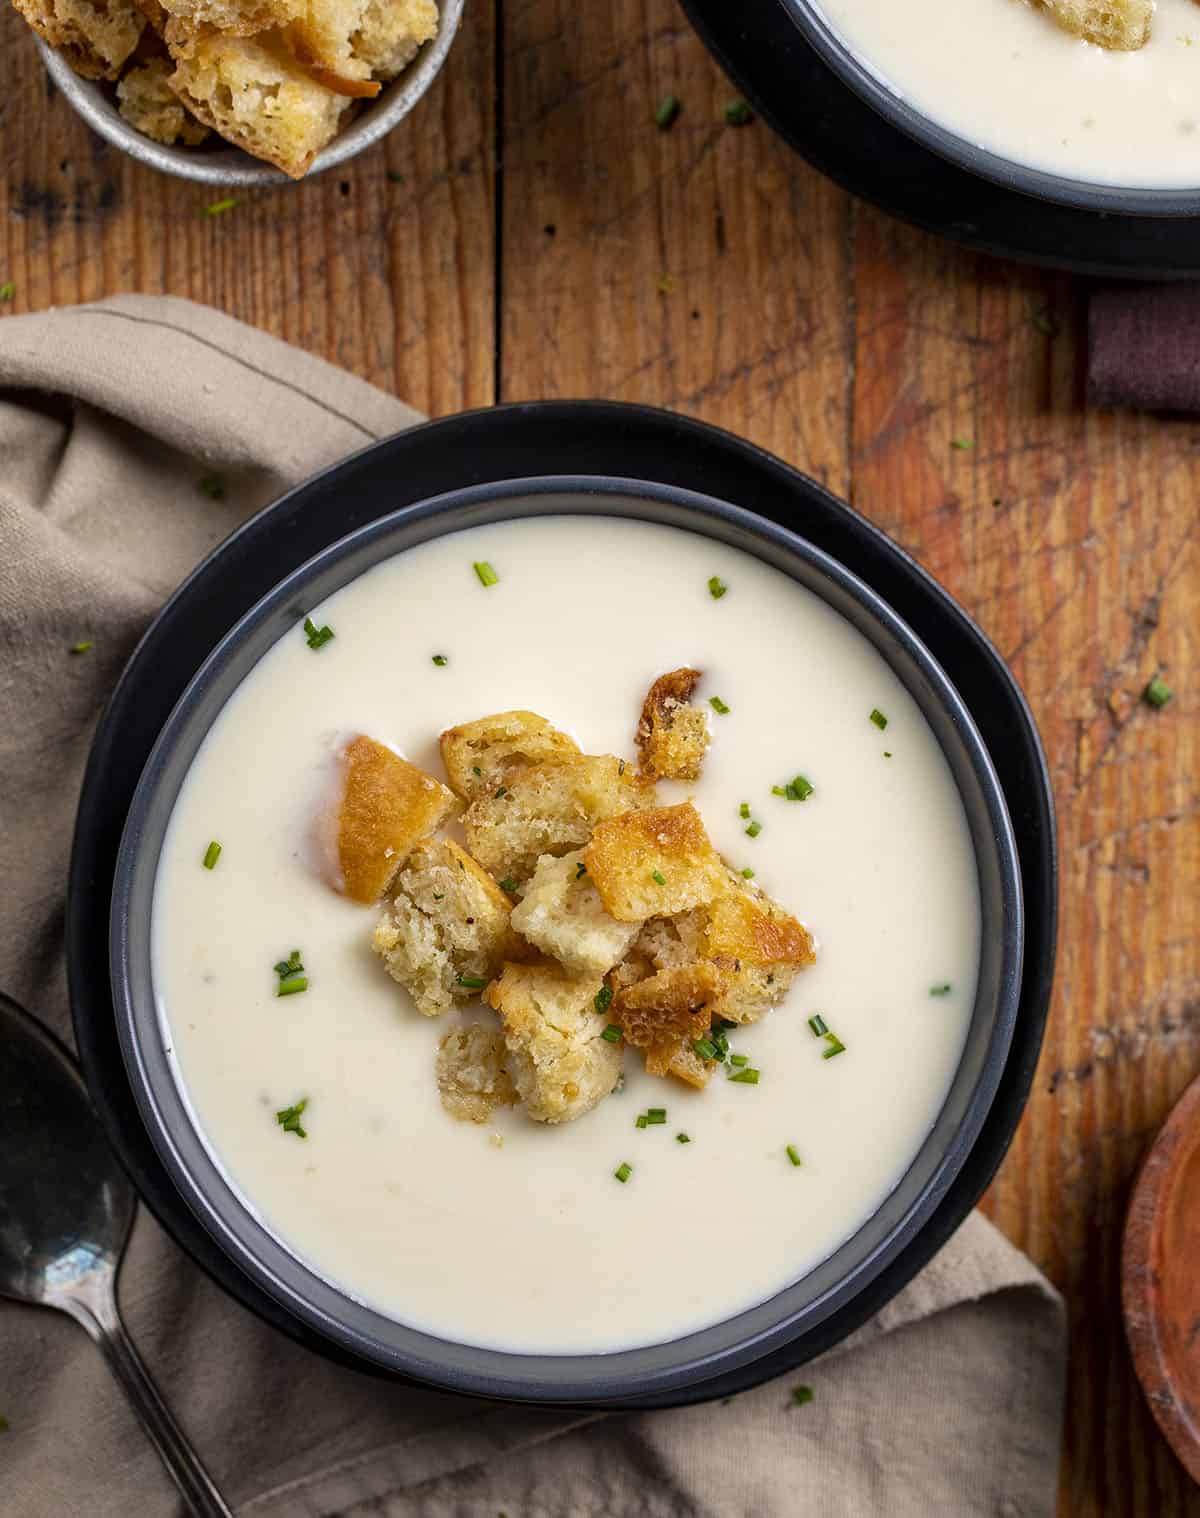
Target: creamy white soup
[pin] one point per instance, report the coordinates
(514, 1234)
(1003, 75)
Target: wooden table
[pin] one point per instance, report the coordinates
(545, 240)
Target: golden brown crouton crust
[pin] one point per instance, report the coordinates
(669, 1012)
(1119, 25)
(750, 927)
(471, 1077)
(501, 743)
(671, 735)
(96, 37)
(147, 102)
(654, 863)
(387, 807)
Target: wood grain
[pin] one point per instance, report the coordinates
(708, 269)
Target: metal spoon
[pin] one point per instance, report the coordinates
(65, 1213)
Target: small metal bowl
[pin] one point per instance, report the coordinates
(229, 166)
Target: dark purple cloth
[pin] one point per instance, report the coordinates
(1144, 347)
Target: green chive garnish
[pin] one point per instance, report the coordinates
(396, 177)
(440, 660)
(293, 985)
(1047, 323)
(754, 829)
(1157, 693)
(887, 753)
(472, 982)
(475, 770)
(668, 109)
(705, 1048)
(682, 1138)
(211, 485)
(818, 1025)
(962, 444)
(219, 207)
(738, 114)
(836, 1046)
(801, 1395)
(503, 791)
(641, 1121)
(317, 636)
(623, 1172)
(487, 575)
(211, 854)
(718, 706)
(878, 719)
(611, 1034)
(747, 873)
(943, 990)
(717, 587)
(81, 648)
(292, 976)
(747, 1077)
(580, 870)
(658, 877)
(7, 291)
(656, 1115)
(744, 809)
(793, 1154)
(603, 999)
(739, 1060)
(288, 1118)
(508, 884)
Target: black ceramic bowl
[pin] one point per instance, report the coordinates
(726, 1348)
(856, 72)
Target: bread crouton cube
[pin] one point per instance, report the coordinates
(558, 1060)
(392, 32)
(444, 931)
(669, 1012)
(654, 863)
(762, 947)
(471, 1077)
(478, 754)
(672, 736)
(687, 1066)
(668, 942)
(1119, 25)
(255, 96)
(319, 40)
(147, 102)
(548, 809)
(97, 37)
(386, 806)
(561, 913)
(236, 18)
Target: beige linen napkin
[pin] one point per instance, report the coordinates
(948, 1403)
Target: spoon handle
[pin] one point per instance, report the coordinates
(100, 1316)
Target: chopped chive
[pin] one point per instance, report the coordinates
(219, 207)
(738, 114)
(801, 1395)
(668, 109)
(1047, 323)
(747, 873)
(580, 870)
(508, 884)
(799, 789)
(611, 1034)
(739, 1060)
(718, 706)
(658, 877)
(1157, 693)
(747, 1077)
(396, 177)
(475, 770)
(818, 1025)
(603, 999)
(211, 854)
(717, 587)
(887, 753)
(487, 575)
(943, 990)
(503, 791)
(317, 636)
(836, 1046)
(211, 485)
(84, 647)
(962, 444)
(793, 1154)
(683, 1138)
(472, 982)
(705, 1048)
(641, 1121)
(288, 1118)
(292, 985)
(744, 809)
(440, 660)
(291, 973)
(7, 291)
(656, 1115)
(878, 718)
(754, 829)
(623, 1172)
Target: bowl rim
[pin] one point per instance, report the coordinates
(1041, 184)
(233, 168)
(593, 1379)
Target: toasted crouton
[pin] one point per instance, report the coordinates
(392, 32)
(687, 1066)
(1120, 25)
(386, 807)
(319, 40)
(96, 37)
(445, 930)
(672, 736)
(255, 96)
(478, 754)
(471, 1076)
(147, 102)
(669, 1012)
(548, 809)
(561, 913)
(557, 1058)
(762, 947)
(654, 863)
(236, 18)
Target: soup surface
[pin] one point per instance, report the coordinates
(516, 1235)
(1003, 75)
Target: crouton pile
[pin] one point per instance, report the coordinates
(277, 78)
(587, 916)
(1121, 26)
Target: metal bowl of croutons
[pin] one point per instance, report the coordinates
(243, 92)
(1082, 103)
